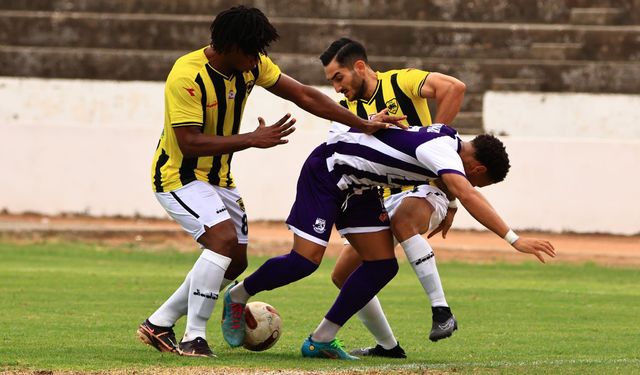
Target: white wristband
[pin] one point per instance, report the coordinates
(453, 204)
(511, 237)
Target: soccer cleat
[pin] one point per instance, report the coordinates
(196, 348)
(331, 350)
(379, 351)
(444, 323)
(161, 338)
(233, 323)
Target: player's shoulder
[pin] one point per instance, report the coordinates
(188, 66)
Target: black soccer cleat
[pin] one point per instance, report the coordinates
(379, 351)
(196, 348)
(444, 323)
(161, 338)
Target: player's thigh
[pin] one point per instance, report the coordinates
(347, 262)
(416, 211)
(373, 246)
(198, 208)
(235, 207)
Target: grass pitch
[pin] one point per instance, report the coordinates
(70, 306)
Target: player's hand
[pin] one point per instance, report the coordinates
(535, 246)
(383, 116)
(273, 135)
(445, 224)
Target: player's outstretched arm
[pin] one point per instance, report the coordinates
(193, 142)
(317, 103)
(475, 203)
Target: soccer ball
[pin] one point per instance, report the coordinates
(263, 328)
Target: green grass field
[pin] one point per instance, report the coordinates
(70, 306)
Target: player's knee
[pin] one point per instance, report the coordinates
(337, 279)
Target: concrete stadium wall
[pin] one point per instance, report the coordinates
(76, 146)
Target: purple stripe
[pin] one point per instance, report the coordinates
(443, 171)
(372, 155)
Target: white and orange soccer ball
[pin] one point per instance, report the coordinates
(263, 328)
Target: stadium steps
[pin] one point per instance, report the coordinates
(512, 11)
(596, 16)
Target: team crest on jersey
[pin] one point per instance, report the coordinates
(232, 94)
(393, 106)
(320, 226)
(250, 85)
(241, 204)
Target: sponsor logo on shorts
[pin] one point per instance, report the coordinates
(210, 295)
(241, 204)
(219, 210)
(320, 226)
(384, 217)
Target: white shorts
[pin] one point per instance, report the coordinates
(434, 196)
(199, 204)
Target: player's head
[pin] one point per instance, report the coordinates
(345, 63)
(241, 34)
(490, 161)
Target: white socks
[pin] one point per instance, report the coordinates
(239, 293)
(325, 332)
(174, 307)
(206, 277)
(423, 261)
(373, 318)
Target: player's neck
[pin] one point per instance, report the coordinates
(371, 82)
(217, 61)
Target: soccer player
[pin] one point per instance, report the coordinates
(400, 92)
(205, 95)
(338, 183)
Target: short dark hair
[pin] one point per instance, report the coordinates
(245, 28)
(345, 51)
(491, 153)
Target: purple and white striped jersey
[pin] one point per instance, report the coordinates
(392, 157)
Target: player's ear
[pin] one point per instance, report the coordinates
(479, 169)
(359, 66)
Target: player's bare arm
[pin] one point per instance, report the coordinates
(448, 92)
(193, 142)
(474, 202)
(317, 103)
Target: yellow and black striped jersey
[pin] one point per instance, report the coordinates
(196, 94)
(398, 91)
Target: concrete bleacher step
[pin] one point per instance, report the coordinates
(468, 122)
(401, 38)
(515, 11)
(478, 74)
(556, 51)
(516, 84)
(595, 16)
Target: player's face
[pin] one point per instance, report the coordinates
(345, 80)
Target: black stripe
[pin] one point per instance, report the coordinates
(256, 72)
(192, 212)
(221, 97)
(343, 103)
(379, 98)
(395, 190)
(406, 105)
(188, 166)
(360, 111)
(157, 176)
(241, 93)
(186, 123)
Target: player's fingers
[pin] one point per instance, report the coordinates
(548, 249)
(383, 112)
(287, 132)
(282, 120)
(435, 231)
(445, 230)
(287, 125)
(537, 254)
(261, 123)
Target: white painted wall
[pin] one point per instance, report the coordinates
(86, 146)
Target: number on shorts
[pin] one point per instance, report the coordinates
(245, 225)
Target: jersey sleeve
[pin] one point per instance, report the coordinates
(268, 72)
(411, 80)
(184, 102)
(440, 156)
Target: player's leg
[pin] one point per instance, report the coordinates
(378, 267)
(371, 315)
(200, 211)
(419, 210)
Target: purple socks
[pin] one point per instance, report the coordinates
(279, 271)
(361, 286)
